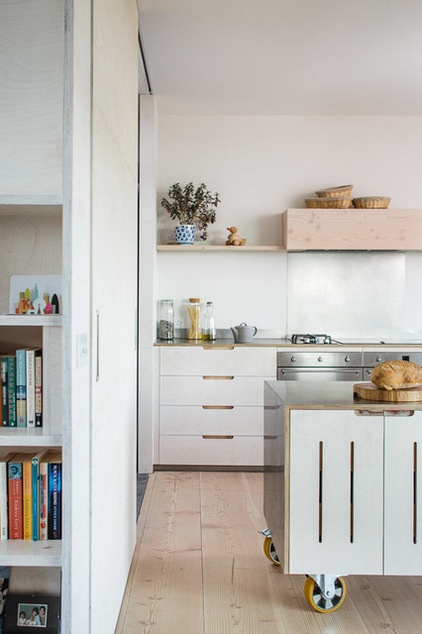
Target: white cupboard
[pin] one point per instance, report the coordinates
(211, 405)
(347, 490)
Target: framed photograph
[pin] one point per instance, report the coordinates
(32, 613)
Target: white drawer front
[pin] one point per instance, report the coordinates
(196, 450)
(246, 361)
(195, 390)
(195, 420)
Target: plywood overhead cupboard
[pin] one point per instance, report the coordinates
(68, 206)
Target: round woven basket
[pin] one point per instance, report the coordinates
(371, 202)
(340, 202)
(334, 192)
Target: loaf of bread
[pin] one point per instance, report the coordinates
(395, 375)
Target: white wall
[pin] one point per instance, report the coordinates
(260, 166)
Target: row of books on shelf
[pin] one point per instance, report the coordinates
(21, 388)
(31, 495)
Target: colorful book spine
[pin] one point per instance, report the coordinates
(38, 388)
(4, 520)
(27, 498)
(21, 387)
(11, 389)
(4, 395)
(43, 504)
(36, 493)
(54, 500)
(30, 388)
(15, 492)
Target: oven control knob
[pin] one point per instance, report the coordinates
(347, 359)
(293, 359)
(320, 359)
(379, 359)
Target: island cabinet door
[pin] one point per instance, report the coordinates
(335, 493)
(403, 494)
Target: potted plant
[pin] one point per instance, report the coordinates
(194, 208)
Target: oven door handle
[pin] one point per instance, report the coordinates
(320, 370)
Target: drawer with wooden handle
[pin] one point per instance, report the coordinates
(211, 419)
(212, 449)
(201, 390)
(207, 360)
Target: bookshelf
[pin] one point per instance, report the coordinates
(68, 103)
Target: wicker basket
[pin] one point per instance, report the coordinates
(334, 192)
(340, 202)
(372, 202)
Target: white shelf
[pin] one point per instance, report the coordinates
(17, 552)
(31, 320)
(29, 437)
(200, 247)
(29, 205)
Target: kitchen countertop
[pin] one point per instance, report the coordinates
(285, 343)
(330, 395)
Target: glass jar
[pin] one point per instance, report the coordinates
(208, 328)
(194, 315)
(166, 320)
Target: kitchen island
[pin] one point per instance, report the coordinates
(342, 487)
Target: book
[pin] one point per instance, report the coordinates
(21, 387)
(25, 460)
(36, 493)
(4, 520)
(38, 387)
(11, 389)
(15, 501)
(55, 496)
(4, 397)
(43, 500)
(30, 388)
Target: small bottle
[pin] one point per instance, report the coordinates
(194, 314)
(208, 330)
(166, 320)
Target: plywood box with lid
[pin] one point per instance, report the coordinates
(352, 229)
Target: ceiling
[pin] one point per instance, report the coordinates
(288, 57)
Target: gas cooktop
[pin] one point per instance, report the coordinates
(327, 339)
(311, 339)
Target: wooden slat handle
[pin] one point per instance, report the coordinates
(217, 406)
(217, 437)
(216, 377)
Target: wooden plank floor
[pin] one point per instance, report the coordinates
(199, 568)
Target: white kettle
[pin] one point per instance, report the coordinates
(243, 333)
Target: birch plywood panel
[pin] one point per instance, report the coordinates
(28, 245)
(352, 229)
(31, 88)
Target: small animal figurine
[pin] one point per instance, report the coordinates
(234, 240)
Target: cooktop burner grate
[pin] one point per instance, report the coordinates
(311, 339)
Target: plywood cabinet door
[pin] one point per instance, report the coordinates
(336, 493)
(403, 495)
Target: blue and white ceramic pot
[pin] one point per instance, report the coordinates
(184, 234)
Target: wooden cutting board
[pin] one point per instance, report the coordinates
(371, 392)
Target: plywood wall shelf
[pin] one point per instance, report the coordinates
(211, 247)
(352, 229)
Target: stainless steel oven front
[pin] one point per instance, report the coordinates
(308, 365)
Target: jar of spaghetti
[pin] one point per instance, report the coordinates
(194, 316)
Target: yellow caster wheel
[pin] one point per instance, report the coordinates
(270, 552)
(328, 600)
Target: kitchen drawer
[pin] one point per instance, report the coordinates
(196, 390)
(196, 450)
(195, 420)
(208, 360)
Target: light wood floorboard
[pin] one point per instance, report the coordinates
(199, 568)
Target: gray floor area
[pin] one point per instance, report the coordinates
(141, 483)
